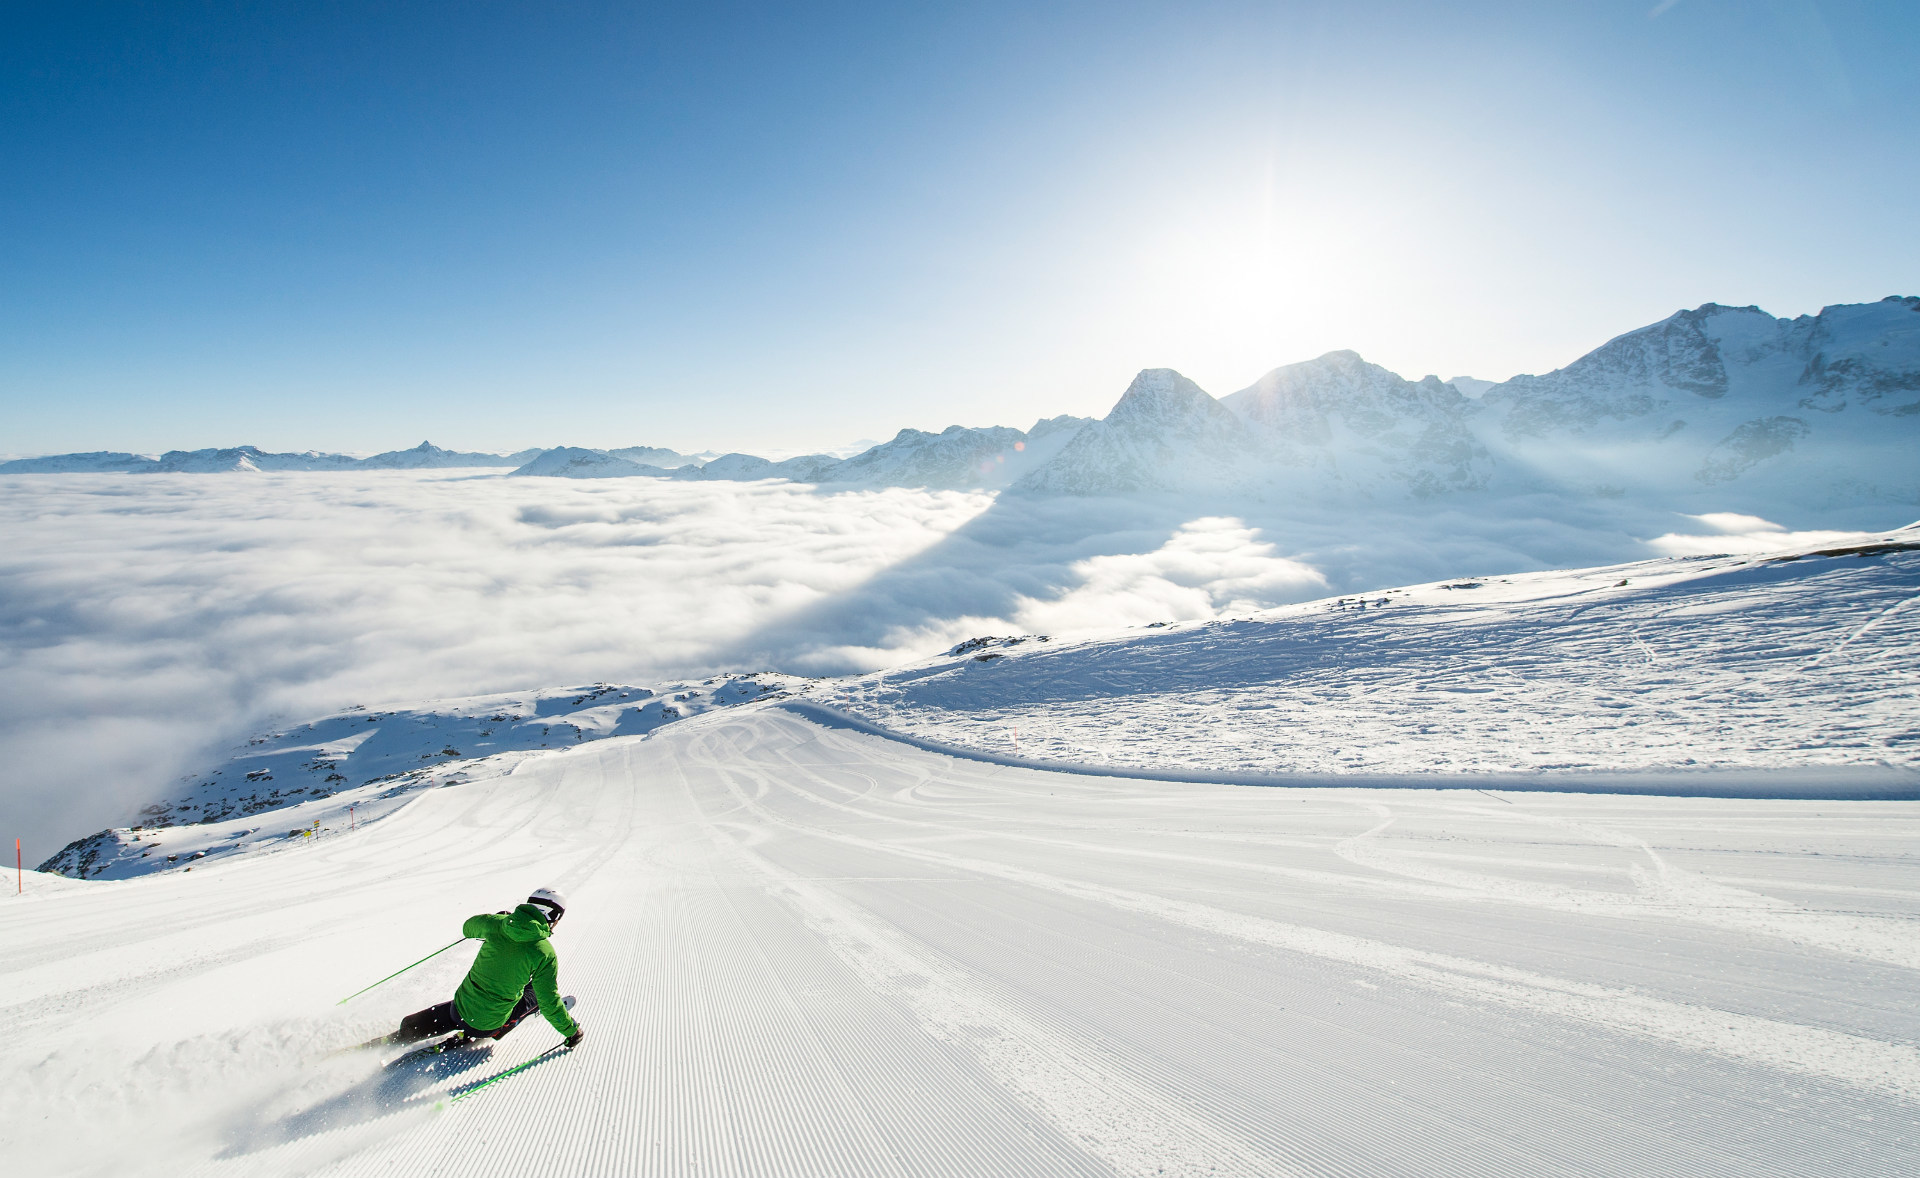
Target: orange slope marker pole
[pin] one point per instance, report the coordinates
(19, 872)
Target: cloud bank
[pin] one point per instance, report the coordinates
(144, 622)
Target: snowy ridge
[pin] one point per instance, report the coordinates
(1804, 662)
(357, 766)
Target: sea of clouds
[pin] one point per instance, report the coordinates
(146, 621)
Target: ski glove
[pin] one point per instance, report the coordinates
(573, 1040)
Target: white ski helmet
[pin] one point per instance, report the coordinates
(551, 901)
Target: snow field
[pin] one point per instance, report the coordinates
(1793, 662)
(804, 949)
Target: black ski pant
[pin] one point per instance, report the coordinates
(438, 1020)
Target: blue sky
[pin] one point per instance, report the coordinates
(352, 226)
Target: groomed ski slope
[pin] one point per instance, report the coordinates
(803, 949)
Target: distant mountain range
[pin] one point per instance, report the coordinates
(1819, 409)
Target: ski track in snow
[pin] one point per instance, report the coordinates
(802, 949)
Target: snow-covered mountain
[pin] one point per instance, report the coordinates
(1820, 409)
(658, 456)
(577, 462)
(1339, 422)
(735, 467)
(94, 462)
(246, 458)
(805, 468)
(1719, 406)
(429, 456)
(957, 458)
(1165, 434)
(209, 461)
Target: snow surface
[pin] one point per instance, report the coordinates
(803, 949)
(1800, 660)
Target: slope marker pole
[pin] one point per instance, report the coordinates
(19, 872)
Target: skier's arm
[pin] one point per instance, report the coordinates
(546, 987)
(481, 927)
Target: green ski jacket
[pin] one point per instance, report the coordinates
(514, 951)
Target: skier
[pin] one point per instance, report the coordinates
(515, 972)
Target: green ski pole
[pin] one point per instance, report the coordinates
(396, 973)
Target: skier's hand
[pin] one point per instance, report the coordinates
(573, 1040)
